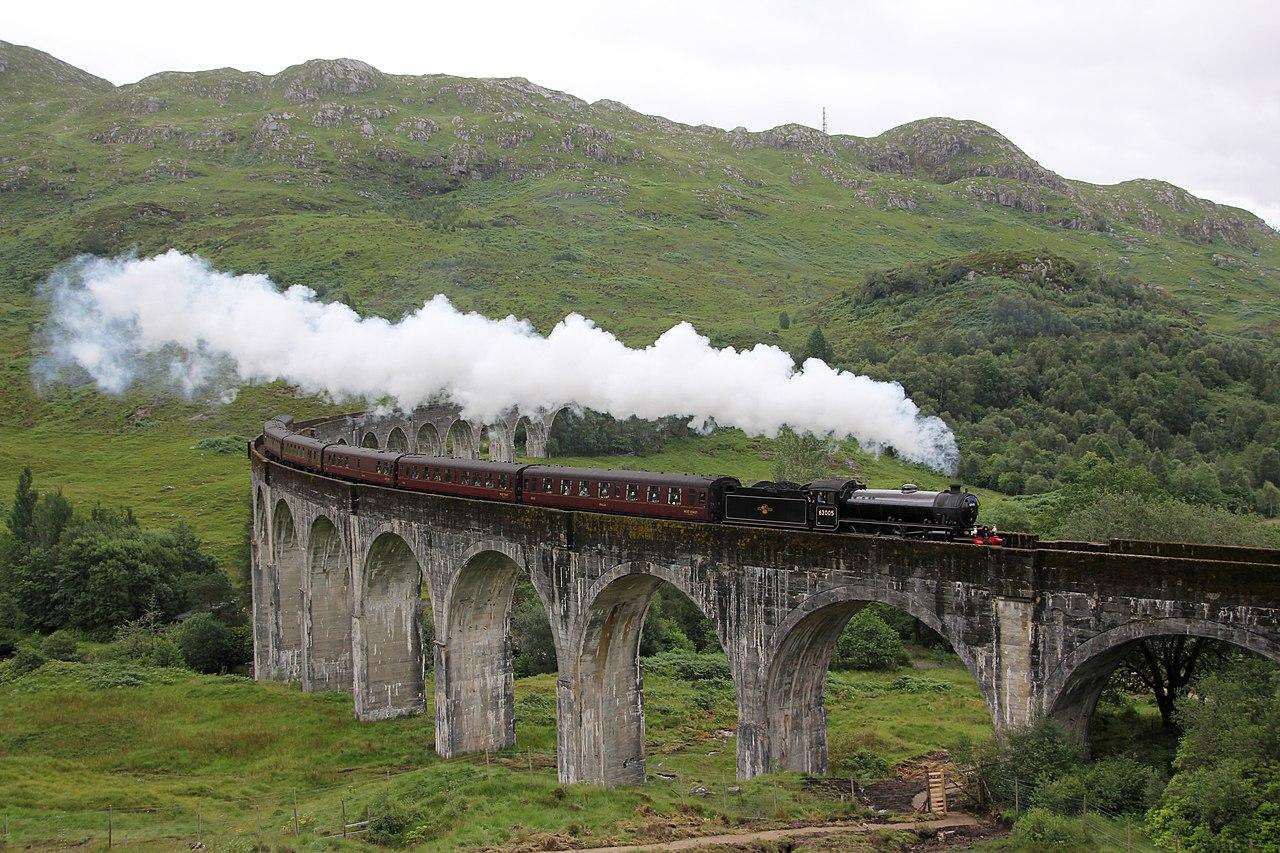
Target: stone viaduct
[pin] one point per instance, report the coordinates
(440, 430)
(343, 574)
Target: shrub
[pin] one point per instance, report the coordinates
(1041, 829)
(920, 684)
(60, 645)
(687, 666)
(868, 643)
(145, 641)
(226, 444)
(207, 644)
(390, 820)
(1014, 767)
(28, 659)
(1118, 785)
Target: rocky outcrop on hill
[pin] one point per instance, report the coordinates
(319, 78)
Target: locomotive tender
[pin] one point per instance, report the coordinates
(845, 506)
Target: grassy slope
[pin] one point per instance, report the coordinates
(156, 745)
(523, 201)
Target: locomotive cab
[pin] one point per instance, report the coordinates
(825, 498)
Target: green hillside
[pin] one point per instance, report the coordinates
(1044, 318)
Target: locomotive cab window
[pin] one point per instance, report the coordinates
(652, 494)
(673, 496)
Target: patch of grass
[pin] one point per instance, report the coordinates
(159, 746)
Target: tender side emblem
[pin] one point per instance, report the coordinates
(765, 509)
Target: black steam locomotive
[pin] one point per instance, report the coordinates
(833, 506)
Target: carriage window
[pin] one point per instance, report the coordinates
(673, 496)
(502, 481)
(652, 494)
(546, 484)
(435, 474)
(488, 481)
(584, 489)
(448, 476)
(633, 492)
(702, 497)
(602, 490)
(566, 486)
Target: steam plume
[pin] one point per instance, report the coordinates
(177, 319)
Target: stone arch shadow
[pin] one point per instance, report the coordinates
(606, 711)
(387, 643)
(428, 441)
(460, 441)
(1073, 687)
(797, 660)
(328, 609)
(369, 440)
(475, 700)
(286, 590)
(397, 441)
(260, 583)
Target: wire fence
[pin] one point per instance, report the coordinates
(1117, 831)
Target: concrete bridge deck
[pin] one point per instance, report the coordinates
(343, 573)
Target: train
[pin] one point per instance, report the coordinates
(832, 505)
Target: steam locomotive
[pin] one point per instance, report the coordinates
(844, 506)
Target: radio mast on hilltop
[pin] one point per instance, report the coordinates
(824, 121)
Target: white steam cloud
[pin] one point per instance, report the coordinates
(177, 319)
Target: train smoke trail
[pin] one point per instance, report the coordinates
(177, 319)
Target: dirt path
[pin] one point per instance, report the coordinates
(951, 822)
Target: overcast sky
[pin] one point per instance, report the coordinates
(1101, 91)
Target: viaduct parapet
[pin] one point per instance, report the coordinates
(344, 574)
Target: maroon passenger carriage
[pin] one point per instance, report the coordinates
(467, 478)
(683, 496)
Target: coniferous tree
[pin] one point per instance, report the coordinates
(22, 516)
(817, 347)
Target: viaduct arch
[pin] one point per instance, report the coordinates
(440, 430)
(1038, 626)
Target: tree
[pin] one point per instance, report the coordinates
(1268, 500)
(817, 347)
(22, 515)
(533, 646)
(868, 643)
(1167, 665)
(208, 645)
(800, 457)
(51, 516)
(1226, 784)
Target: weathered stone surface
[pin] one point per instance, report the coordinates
(1038, 627)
